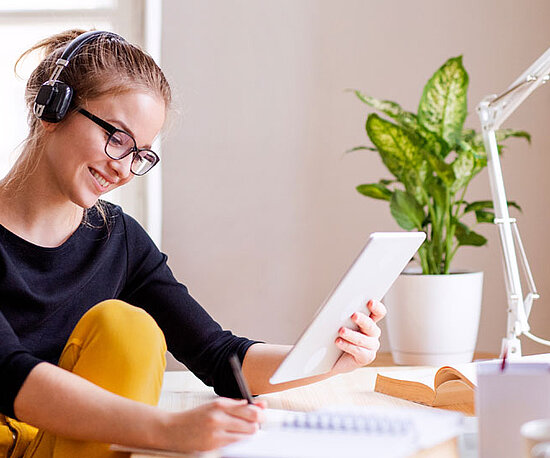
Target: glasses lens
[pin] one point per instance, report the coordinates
(143, 161)
(119, 145)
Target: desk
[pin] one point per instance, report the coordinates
(182, 390)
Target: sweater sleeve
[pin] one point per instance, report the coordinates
(15, 364)
(192, 336)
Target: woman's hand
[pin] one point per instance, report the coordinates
(213, 425)
(360, 346)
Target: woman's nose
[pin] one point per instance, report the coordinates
(123, 166)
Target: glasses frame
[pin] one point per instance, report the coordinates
(112, 130)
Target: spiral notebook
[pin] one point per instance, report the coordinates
(349, 432)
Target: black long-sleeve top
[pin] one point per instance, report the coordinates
(45, 291)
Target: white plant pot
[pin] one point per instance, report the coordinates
(434, 319)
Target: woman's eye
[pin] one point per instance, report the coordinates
(116, 140)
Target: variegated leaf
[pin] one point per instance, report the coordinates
(443, 105)
(398, 148)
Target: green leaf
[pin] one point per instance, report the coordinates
(406, 120)
(359, 148)
(469, 135)
(440, 195)
(441, 168)
(487, 204)
(463, 167)
(406, 210)
(398, 148)
(392, 109)
(375, 190)
(484, 216)
(434, 143)
(443, 105)
(476, 139)
(466, 236)
(503, 134)
(414, 183)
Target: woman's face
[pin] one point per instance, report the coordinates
(74, 158)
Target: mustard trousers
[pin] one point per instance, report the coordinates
(115, 346)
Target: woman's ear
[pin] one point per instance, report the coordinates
(48, 126)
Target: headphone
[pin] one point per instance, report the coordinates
(54, 97)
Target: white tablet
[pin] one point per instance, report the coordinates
(370, 276)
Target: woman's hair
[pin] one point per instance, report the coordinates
(106, 65)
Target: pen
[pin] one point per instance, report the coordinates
(239, 377)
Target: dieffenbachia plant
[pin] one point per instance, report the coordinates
(432, 158)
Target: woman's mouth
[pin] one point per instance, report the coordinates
(102, 181)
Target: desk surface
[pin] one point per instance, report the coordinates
(182, 390)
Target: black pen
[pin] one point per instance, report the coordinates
(239, 377)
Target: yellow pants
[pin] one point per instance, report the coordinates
(117, 347)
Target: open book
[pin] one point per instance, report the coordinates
(447, 387)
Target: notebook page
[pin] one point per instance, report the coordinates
(392, 433)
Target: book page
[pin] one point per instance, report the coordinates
(466, 372)
(455, 395)
(425, 376)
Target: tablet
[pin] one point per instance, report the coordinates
(370, 276)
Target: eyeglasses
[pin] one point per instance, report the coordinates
(121, 144)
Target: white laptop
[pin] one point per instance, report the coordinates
(370, 276)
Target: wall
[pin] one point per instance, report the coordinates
(260, 212)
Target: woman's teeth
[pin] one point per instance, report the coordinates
(102, 181)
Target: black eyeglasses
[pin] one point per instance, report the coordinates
(121, 144)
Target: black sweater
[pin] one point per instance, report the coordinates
(45, 291)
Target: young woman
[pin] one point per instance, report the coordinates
(88, 304)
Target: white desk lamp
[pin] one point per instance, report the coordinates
(493, 111)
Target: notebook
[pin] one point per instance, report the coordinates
(350, 432)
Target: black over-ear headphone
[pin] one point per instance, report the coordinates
(54, 97)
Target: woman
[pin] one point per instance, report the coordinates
(77, 360)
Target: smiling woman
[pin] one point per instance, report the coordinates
(25, 22)
(107, 154)
(104, 68)
(89, 305)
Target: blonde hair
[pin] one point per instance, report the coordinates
(107, 65)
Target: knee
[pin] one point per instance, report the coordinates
(120, 348)
(120, 325)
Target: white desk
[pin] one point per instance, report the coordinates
(184, 391)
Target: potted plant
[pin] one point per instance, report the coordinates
(432, 158)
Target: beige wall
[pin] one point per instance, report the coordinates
(260, 212)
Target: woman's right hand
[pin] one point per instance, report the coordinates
(213, 425)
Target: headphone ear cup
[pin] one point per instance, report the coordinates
(55, 99)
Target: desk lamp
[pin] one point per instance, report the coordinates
(493, 110)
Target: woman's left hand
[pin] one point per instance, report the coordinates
(360, 346)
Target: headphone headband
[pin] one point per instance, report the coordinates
(54, 97)
(74, 46)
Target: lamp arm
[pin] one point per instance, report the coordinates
(501, 106)
(533, 294)
(517, 317)
(493, 111)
